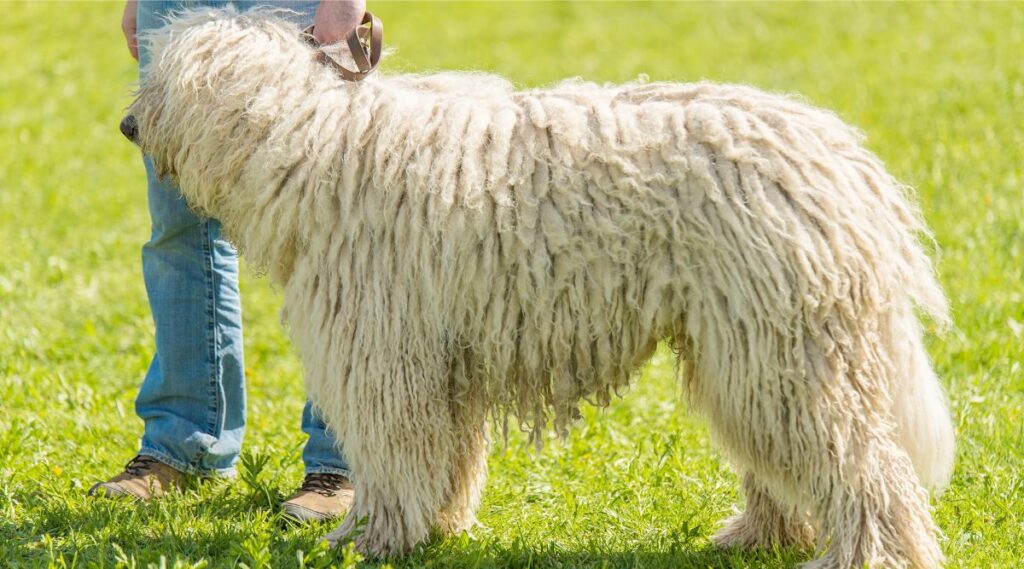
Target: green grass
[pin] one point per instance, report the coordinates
(938, 88)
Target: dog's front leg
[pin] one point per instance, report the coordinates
(399, 438)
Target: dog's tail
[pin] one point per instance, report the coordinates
(921, 411)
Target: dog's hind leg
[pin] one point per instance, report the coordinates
(820, 438)
(871, 502)
(861, 490)
(874, 510)
(764, 522)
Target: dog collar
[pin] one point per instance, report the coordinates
(365, 43)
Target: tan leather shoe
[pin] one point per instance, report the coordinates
(143, 478)
(322, 496)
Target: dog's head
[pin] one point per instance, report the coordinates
(215, 83)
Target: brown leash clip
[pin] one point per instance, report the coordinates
(365, 43)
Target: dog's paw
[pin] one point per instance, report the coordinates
(749, 532)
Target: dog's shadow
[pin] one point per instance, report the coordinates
(226, 528)
(461, 552)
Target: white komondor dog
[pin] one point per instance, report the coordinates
(453, 251)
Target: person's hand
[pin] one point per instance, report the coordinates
(128, 26)
(335, 19)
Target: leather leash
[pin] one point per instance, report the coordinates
(364, 43)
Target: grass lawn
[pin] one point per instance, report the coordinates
(938, 88)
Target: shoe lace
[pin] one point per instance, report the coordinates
(140, 465)
(323, 483)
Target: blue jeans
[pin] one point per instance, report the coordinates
(193, 397)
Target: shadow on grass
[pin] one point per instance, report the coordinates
(702, 558)
(223, 527)
(462, 551)
(218, 524)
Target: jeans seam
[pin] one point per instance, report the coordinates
(216, 381)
